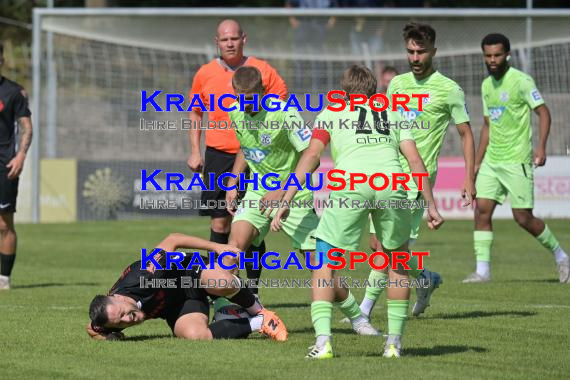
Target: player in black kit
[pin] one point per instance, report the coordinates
(13, 111)
(185, 309)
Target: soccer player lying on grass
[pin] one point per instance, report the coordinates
(186, 310)
(275, 151)
(367, 151)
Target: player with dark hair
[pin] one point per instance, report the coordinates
(341, 227)
(14, 113)
(222, 146)
(275, 151)
(136, 297)
(504, 163)
(445, 101)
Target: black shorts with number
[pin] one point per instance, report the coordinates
(8, 192)
(219, 162)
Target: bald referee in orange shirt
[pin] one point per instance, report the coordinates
(222, 145)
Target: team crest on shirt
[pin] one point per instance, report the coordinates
(427, 100)
(265, 139)
(504, 96)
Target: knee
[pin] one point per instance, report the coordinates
(195, 333)
(221, 225)
(6, 228)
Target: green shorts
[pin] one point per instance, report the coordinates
(496, 181)
(300, 225)
(416, 213)
(341, 225)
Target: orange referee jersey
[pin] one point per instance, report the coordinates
(216, 78)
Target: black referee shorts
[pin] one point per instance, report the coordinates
(218, 162)
(8, 192)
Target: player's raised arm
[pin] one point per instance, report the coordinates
(409, 150)
(175, 241)
(544, 121)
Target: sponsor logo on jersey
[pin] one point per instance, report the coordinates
(410, 115)
(255, 155)
(504, 96)
(265, 139)
(495, 113)
(535, 95)
(304, 134)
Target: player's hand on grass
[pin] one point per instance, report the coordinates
(539, 157)
(231, 199)
(468, 193)
(280, 217)
(196, 162)
(268, 199)
(435, 220)
(16, 165)
(116, 335)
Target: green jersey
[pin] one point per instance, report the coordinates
(272, 142)
(363, 141)
(446, 101)
(507, 103)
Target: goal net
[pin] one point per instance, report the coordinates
(94, 66)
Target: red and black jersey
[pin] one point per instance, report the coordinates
(154, 302)
(13, 106)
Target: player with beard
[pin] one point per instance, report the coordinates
(504, 163)
(132, 300)
(445, 101)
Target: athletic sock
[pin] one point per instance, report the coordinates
(397, 316)
(350, 308)
(321, 315)
(548, 241)
(230, 328)
(245, 298)
(376, 280)
(559, 254)
(254, 274)
(219, 237)
(483, 240)
(256, 322)
(6, 264)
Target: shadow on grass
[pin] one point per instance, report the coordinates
(347, 331)
(55, 284)
(484, 314)
(141, 338)
(538, 280)
(287, 305)
(441, 350)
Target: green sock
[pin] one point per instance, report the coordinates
(547, 239)
(375, 279)
(321, 315)
(397, 316)
(483, 240)
(349, 307)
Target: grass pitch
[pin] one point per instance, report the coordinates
(518, 326)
